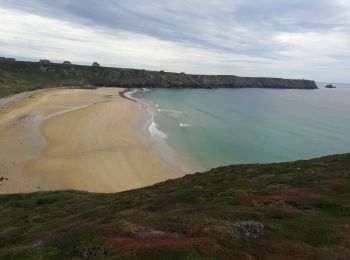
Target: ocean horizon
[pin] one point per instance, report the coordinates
(216, 127)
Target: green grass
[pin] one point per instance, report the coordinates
(191, 217)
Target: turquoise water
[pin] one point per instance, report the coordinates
(218, 127)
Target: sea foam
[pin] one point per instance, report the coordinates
(129, 94)
(155, 132)
(184, 125)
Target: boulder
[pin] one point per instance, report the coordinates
(248, 229)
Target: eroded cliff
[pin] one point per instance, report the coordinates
(16, 76)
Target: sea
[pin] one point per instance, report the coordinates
(216, 127)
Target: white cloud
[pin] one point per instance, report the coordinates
(41, 37)
(192, 36)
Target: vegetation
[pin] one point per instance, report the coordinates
(301, 211)
(19, 76)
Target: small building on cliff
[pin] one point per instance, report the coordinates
(95, 64)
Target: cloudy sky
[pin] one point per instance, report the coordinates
(292, 39)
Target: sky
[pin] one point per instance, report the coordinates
(270, 38)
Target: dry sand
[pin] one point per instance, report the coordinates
(77, 139)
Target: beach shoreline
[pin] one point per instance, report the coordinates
(149, 130)
(78, 139)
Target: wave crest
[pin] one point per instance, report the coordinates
(155, 132)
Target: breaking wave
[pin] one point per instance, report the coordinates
(155, 132)
(184, 125)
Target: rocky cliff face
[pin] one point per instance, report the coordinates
(142, 78)
(35, 74)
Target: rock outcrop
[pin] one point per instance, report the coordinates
(248, 229)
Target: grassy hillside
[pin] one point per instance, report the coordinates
(16, 77)
(298, 210)
(19, 76)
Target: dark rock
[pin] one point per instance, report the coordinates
(330, 86)
(89, 252)
(248, 229)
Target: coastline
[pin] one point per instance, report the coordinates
(149, 130)
(78, 139)
(83, 75)
(124, 94)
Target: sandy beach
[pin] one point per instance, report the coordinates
(77, 139)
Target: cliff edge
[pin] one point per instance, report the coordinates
(17, 76)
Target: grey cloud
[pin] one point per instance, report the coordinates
(207, 24)
(222, 26)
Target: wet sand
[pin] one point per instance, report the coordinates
(77, 139)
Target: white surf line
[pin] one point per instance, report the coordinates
(129, 93)
(155, 131)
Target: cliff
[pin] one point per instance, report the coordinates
(297, 210)
(16, 76)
